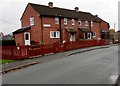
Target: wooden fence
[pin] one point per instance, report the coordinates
(24, 52)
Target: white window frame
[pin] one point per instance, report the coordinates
(54, 34)
(31, 21)
(65, 21)
(91, 23)
(86, 23)
(79, 21)
(94, 35)
(73, 21)
(56, 20)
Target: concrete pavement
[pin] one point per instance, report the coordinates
(27, 62)
(98, 66)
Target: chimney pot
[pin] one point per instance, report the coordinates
(50, 4)
(76, 9)
(96, 15)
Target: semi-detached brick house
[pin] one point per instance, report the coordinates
(48, 24)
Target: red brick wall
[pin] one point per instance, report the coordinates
(96, 29)
(104, 25)
(46, 30)
(35, 29)
(80, 33)
(19, 39)
(66, 34)
(55, 27)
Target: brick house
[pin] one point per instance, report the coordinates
(47, 24)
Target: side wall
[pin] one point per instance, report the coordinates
(96, 28)
(19, 39)
(35, 29)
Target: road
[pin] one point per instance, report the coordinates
(93, 67)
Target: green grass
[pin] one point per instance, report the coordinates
(5, 61)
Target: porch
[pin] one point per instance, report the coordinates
(87, 33)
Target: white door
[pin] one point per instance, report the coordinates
(72, 37)
(27, 38)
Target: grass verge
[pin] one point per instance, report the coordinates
(5, 61)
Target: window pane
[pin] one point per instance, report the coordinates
(91, 23)
(79, 23)
(94, 34)
(73, 22)
(31, 21)
(56, 20)
(65, 21)
(86, 23)
(26, 36)
(52, 34)
(55, 34)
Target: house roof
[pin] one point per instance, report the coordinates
(71, 30)
(57, 12)
(85, 29)
(23, 29)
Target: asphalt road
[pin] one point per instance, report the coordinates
(93, 67)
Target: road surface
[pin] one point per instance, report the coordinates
(93, 67)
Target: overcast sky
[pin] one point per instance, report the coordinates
(12, 10)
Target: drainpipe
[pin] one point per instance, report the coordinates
(91, 29)
(100, 30)
(41, 31)
(60, 29)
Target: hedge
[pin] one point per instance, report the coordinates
(7, 43)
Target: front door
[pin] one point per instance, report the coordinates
(27, 38)
(72, 37)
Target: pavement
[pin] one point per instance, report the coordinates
(41, 59)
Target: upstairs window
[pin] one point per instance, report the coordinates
(86, 23)
(91, 23)
(73, 21)
(56, 20)
(31, 21)
(79, 23)
(65, 21)
(54, 34)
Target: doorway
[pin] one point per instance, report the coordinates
(27, 38)
(72, 37)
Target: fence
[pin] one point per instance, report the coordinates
(24, 52)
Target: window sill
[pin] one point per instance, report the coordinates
(54, 38)
(31, 25)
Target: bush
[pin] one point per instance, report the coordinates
(7, 43)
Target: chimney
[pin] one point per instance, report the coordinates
(76, 9)
(96, 15)
(50, 4)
